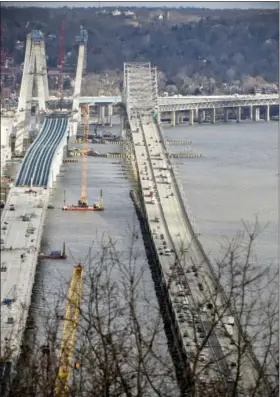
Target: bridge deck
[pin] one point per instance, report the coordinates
(20, 245)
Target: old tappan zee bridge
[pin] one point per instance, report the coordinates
(23, 217)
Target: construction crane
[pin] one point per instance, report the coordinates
(69, 332)
(83, 202)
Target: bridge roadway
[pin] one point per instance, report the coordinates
(188, 102)
(21, 232)
(22, 224)
(184, 281)
(36, 166)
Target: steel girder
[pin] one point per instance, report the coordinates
(140, 89)
(218, 104)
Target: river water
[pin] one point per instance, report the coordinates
(235, 180)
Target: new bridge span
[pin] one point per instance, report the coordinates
(22, 225)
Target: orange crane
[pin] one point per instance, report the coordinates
(83, 203)
(69, 332)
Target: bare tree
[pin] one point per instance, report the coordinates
(234, 331)
(121, 348)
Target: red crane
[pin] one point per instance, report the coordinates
(3, 54)
(61, 56)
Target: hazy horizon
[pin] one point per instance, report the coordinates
(168, 4)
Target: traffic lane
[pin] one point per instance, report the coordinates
(27, 162)
(61, 129)
(44, 154)
(30, 166)
(173, 217)
(217, 350)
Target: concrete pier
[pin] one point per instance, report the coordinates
(173, 118)
(191, 116)
(226, 112)
(250, 112)
(238, 114)
(256, 113)
(109, 109)
(201, 116)
(267, 113)
(213, 118)
(101, 115)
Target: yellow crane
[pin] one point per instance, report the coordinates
(83, 203)
(83, 200)
(69, 332)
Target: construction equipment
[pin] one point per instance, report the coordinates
(83, 203)
(69, 332)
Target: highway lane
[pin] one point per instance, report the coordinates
(28, 164)
(181, 242)
(153, 211)
(42, 152)
(36, 168)
(48, 158)
(30, 151)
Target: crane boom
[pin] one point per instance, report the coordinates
(69, 332)
(83, 200)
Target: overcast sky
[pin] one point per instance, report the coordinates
(204, 4)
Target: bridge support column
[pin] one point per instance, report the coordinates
(101, 115)
(213, 120)
(195, 114)
(267, 113)
(226, 111)
(110, 114)
(256, 114)
(191, 116)
(178, 118)
(173, 118)
(201, 116)
(238, 114)
(251, 112)
(159, 117)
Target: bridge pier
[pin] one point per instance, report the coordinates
(191, 116)
(238, 114)
(173, 118)
(201, 116)
(178, 118)
(101, 115)
(109, 109)
(267, 113)
(213, 119)
(251, 112)
(256, 114)
(226, 112)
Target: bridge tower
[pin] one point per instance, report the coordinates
(140, 90)
(34, 69)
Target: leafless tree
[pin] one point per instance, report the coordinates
(121, 348)
(239, 305)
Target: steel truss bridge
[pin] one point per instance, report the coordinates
(169, 219)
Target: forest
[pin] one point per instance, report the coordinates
(208, 47)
